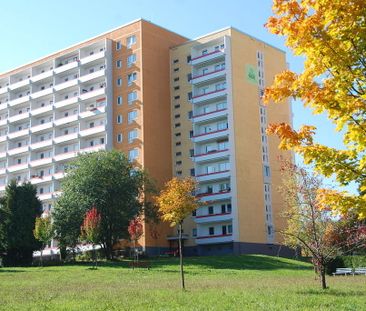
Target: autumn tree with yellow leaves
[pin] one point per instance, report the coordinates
(176, 202)
(331, 36)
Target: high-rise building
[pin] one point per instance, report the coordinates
(176, 107)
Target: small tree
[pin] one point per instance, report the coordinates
(176, 201)
(90, 230)
(135, 229)
(43, 232)
(310, 223)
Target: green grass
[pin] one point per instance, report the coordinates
(213, 283)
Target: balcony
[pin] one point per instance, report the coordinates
(19, 150)
(64, 138)
(92, 112)
(93, 148)
(4, 90)
(41, 127)
(39, 111)
(3, 106)
(212, 218)
(213, 176)
(35, 180)
(19, 100)
(66, 120)
(66, 67)
(92, 131)
(214, 135)
(19, 117)
(92, 58)
(91, 94)
(41, 144)
(91, 76)
(2, 154)
(208, 96)
(212, 115)
(207, 57)
(45, 196)
(213, 155)
(66, 156)
(3, 138)
(42, 76)
(213, 239)
(214, 196)
(59, 175)
(2, 171)
(19, 84)
(67, 102)
(18, 134)
(2, 188)
(65, 85)
(42, 93)
(41, 162)
(18, 167)
(213, 75)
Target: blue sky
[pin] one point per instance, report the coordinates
(32, 29)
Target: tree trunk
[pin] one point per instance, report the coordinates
(322, 277)
(181, 256)
(94, 256)
(41, 262)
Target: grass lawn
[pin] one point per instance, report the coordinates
(213, 283)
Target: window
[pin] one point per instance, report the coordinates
(178, 162)
(210, 210)
(119, 100)
(220, 86)
(131, 40)
(102, 141)
(223, 208)
(41, 190)
(177, 116)
(132, 135)
(179, 153)
(176, 79)
(192, 172)
(191, 152)
(133, 154)
(91, 125)
(191, 134)
(131, 59)
(178, 134)
(176, 88)
(177, 106)
(194, 213)
(222, 126)
(175, 61)
(204, 52)
(194, 232)
(267, 171)
(41, 156)
(131, 78)
(228, 208)
(119, 138)
(176, 69)
(132, 116)
(178, 143)
(229, 229)
(119, 81)
(119, 119)
(177, 125)
(91, 143)
(189, 95)
(189, 77)
(189, 58)
(177, 97)
(132, 96)
(211, 230)
(118, 45)
(66, 149)
(224, 230)
(119, 63)
(19, 161)
(190, 114)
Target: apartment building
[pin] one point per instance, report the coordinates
(176, 107)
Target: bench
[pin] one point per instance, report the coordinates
(139, 264)
(361, 270)
(343, 271)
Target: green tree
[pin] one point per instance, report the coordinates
(21, 206)
(43, 232)
(108, 181)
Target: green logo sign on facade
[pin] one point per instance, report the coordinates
(251, 74)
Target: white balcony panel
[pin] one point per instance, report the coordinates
(92, 94)
(19, 117)
(2, 171)
(91, 58)
(19, 150)
(65, 120)
(56, 194)
(64, 138)
(93, 148)
(207, 57)
(18, 167)
(41, 144)
(3, 106)
(40, 162)
(2, 155)
(93, 130)
(66, 102)
(91, 76)
(209, 96)
(2, 188)
(218, 196)
(40, 180)
(214, 155)
(209, 76)
(42, 93)
(42, 76)
(39, 111)
(91, 113)
(41, 127)
(66, 67)
(214, 239)
(19, 84)
(45, 196)
(213, 176)
(65, 85)
(3, 138)
(19, 101)
(213, 218)
(4, 90)
(3, 122)
(59, 175)
(210, 136)
(218, 114)
(18, 134)
(66, 156)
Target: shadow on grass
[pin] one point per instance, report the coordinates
(10, 270)
(331, 292)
